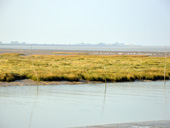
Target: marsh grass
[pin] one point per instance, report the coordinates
(87, 67)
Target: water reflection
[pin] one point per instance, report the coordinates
(104, 100)
(33, 108)
(82, 105)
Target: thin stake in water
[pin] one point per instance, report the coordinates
(105, 76)
(32, 60)
(165, 72)
(34, 105)
(33, 64)
(104, 91)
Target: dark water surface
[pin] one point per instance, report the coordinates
(58, 106)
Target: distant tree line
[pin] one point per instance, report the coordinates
(14, 42)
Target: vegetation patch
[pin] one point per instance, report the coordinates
(112, 68)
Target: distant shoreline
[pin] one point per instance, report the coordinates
(89, 52)
(108, 48)
(67, 45)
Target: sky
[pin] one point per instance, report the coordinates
(138, 22)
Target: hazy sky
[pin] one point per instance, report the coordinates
(144, 22)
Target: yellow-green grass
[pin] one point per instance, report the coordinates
(86, 67)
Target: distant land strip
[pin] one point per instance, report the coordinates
(80, 52)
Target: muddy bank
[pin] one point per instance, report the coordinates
(54, 52)
(147, 124)
(29, 82)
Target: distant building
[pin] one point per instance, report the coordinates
(118, 44)
(111, 44)
(101, 44)
(14, 42)
(23, 43)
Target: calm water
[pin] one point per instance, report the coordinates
(58, 106)
(92, 48)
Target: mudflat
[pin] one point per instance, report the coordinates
(29, 82)
(73, 52)
(147, 124)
